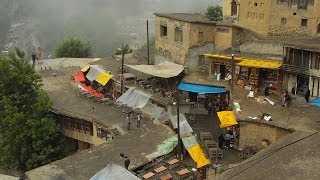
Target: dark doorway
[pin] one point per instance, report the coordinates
(302, 84)
(222, 71)
(318, 29)
(234, 10)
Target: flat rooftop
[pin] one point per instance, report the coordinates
(136, 143)
(186, 17)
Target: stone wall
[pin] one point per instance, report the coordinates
(252, 133)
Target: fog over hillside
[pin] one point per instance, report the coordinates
(104, 23)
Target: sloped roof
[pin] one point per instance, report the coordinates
(295, 156)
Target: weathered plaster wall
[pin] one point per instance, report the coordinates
(187, 52)
(165, 47)
(262, 47)
(192, 57)
(224, 38)
(265, 16)
(252, 133)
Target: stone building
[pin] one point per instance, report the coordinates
(302, 68)
(277, 18)
(181, 38)
(230, 9)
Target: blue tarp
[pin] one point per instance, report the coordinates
(316, 102)
(201, 89)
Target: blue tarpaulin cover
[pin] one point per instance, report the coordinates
(316, 102)
(201, 89)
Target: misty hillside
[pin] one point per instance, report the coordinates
(104, 23)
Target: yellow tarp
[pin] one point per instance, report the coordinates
(268, 64)
(250, 62)
(198, 156)
(84, 69)
(103, 78)
(227, 119)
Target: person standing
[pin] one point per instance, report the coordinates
(307, 96)
(266, 91)
(34, 58)
(128, 120)
(138, 119)
(126, 162)
(221, 140)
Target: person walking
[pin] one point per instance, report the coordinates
(285, 99)
(126, 162)
(307, 96)
(266, 91)
(128, 120)
(138, 119)
(34, 58)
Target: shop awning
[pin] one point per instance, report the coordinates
(99, 74)
(201, 89)
(198, 156)
(267, 64)
(103, 78)
(164, 69)
(227, 118)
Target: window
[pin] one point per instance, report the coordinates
(248, 14)
(255, 4)
(294, 13)
(261, 16)
(283, 21)
(304, 22)
(200, 36)
(302, 4)
(250, 4)
(318, 29)
(178, 34)
(163, 30)
(261, 4)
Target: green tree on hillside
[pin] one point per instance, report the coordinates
(126, 49)
(73, 48)
(29, 136)
(214, 13)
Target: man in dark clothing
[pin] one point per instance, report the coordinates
(126, 162)
(266, 91)
(34, 58)
(221, 140)
(307, 96)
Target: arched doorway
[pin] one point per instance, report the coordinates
(234, 8)
(318, 29)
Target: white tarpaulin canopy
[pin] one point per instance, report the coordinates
(185, 127)
(134, 98)
(94, 72)
(113, 172)
(155, 111)
(164, 69)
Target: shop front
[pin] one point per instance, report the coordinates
(259, 74)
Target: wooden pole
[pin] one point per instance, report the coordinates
(148, 42)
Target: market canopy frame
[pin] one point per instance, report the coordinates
(164, 69)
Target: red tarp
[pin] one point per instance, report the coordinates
(90, 90)
(79, 77)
